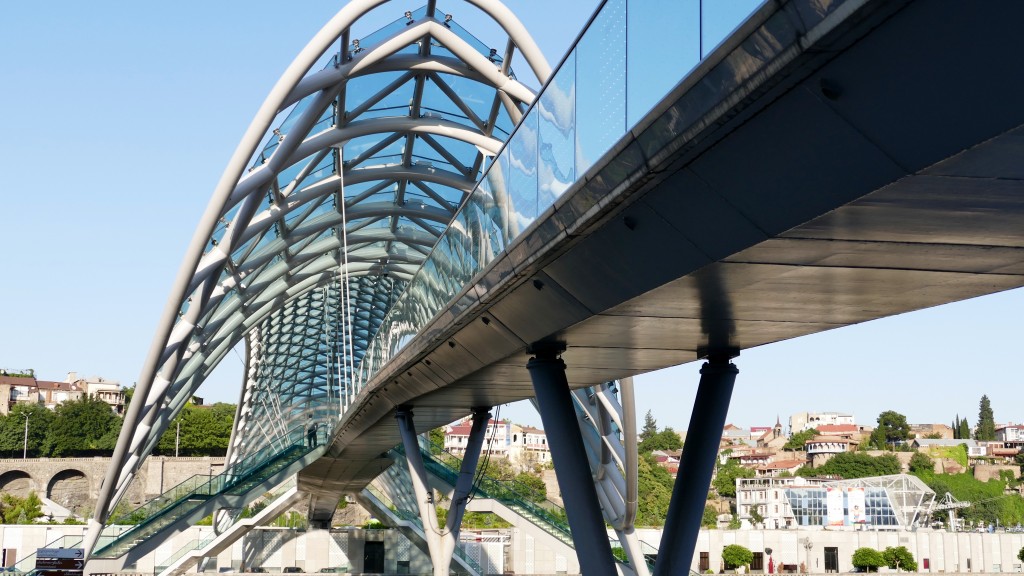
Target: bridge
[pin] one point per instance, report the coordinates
(408, 234)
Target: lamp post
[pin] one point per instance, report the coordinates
(24, 451)
(807, 546)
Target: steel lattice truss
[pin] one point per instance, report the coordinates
(352, 168)
(301, 361)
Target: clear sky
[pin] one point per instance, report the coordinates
(120, 117)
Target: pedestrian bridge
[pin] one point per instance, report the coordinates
(406, 223)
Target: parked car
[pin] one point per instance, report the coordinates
(292, 570)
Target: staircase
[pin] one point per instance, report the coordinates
(516, 496)
(286, 496)
(197, 497)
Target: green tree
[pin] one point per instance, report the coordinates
(755, 516)
(710, 518)
(1020, 554)
(735, 556)
(965, 430)
(986, 421)
(78, 426)
(899, 558)
(892, 429)
(16, 510)
(655, 488)
(12, 430)
(650, 427)
(921, 463)
(859, 465)
(867, 559)
(725, 481)
(199, 431)
(799, 440)
(537, 490)
(956, 427)
(667, 439)
(436, 436)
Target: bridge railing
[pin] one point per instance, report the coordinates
(606, 83)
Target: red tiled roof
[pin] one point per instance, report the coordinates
(782, 465)
(18, 380)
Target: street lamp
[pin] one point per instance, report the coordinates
(807, 546)
(24, 451)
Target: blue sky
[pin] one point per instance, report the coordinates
(120, 117)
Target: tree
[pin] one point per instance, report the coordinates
(1020, 555)
(892, 429)
(537, 490)
(78, 426)
(667, 439)
(965, 430)
(859, 465)
(798, 440)
(12, 429)
(735, 556)
(986, 421)
(655, 488)
(725, 480)
(199, 431)
(710, 518)
(650, 427)
(899, 558)
(921, 463)
(867, 559)
(755, 516)
(16, 510)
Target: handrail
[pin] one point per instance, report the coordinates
(185, 501)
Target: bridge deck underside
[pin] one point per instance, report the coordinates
(899, 187)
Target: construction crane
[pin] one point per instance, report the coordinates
(950, 503)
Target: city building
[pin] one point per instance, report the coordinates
(936, 447)
(897, 502)
(821, 449)
(27, 389)
(941, 431)
(801, 421)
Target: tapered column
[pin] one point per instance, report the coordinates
(424, 497)
(689, 495)
(554, 401)
(464, 484)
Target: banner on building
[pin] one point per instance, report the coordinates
(834, 506)
(855, 500)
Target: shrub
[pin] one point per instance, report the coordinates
(735, 556)
(868, 559)
(899, 558)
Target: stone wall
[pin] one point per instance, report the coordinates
(74, 482)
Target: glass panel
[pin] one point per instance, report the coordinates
(720, 18)
(601, 85)
(557, 133)
(522, 174)
(663, 44)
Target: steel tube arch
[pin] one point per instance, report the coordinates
(301, 220)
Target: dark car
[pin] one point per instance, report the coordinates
(292, 570)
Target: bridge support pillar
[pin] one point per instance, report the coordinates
(689, 495)
(441, 544)
(572, 468)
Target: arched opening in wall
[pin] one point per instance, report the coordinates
(70, 489)
(17, 483)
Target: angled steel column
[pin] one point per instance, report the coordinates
(424, 496)
(464, 485)
(703, 437)
(441, 543)
(572, 468)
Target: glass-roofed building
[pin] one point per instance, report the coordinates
(896, 502)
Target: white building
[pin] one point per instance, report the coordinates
(805, 420)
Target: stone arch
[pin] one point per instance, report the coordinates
(71, 489)
(17, 482)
